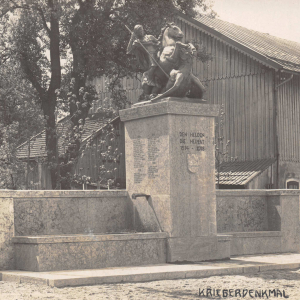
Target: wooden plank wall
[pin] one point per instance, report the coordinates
(245, 87)
(289, 120)
(132, 86)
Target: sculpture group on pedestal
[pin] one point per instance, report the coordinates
(166, 62)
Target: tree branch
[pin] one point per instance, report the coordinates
(39, 9)
(32, 78)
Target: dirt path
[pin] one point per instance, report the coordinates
(287, 280)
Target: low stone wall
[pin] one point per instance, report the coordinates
(72, 212)
(242, 211)
(79, 252)
(6, 232)
(29, 213)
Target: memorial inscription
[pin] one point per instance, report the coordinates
(145, 155)
(192, 141)
(139, 160)
(153, 152)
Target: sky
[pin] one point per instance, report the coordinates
(280, 18)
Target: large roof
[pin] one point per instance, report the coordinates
(242, 172)
(93, 124)
(276, 51)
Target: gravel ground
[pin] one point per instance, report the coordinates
(287, 280)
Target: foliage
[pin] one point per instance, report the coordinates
(20, 119)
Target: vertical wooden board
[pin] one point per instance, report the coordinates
(272, 113)
(204, 65)
(267, 120)
(260, 116)
(209, 64)
(247, 118)
(212, 92)
(226, 109)
(287, 133)
(283, 124)
(282, 127)
(243, 62)
(298, 117)
(289, 138)
(254, 116)
(248, 65)
(296, 137)
(240, 63)
(215, 61)
(232, 74)
(297, 111)
(263, 116)
(272, 100)
(199, 70)
(236, 63)
(290, 112)
(222, 53)
(292, 121)
(225, 61)
(241, 100)
(243, 118)
(234, 116)
(219, 56)
(237, 123)
(208, 92)
(228, 113)
(279, 122)
(216, 66)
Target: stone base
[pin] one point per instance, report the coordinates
(201, 248)
(74, 252)
(259, 242)
(175, 99)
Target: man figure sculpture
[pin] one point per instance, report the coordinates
(138, 44)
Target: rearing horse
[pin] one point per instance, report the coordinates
(170, 34)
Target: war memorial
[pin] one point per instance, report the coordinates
(170, 211)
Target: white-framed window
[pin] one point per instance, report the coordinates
(292, 183)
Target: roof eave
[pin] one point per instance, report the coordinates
(263, 59)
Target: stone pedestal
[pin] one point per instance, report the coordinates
(170, 155)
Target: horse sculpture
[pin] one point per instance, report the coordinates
(170, 35)
(170, 73)
(182, 80)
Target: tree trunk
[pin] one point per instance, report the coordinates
(49, 106)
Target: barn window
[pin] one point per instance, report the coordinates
(292, 184)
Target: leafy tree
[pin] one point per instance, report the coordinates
(20, 118)
(43, 33)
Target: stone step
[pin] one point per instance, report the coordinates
(92, 251)
(237, 265)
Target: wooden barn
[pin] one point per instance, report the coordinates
(255, 78)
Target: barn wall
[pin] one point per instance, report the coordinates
(132, 86)
(245, 88)
(289, 120)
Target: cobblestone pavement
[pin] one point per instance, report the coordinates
(264, 283)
